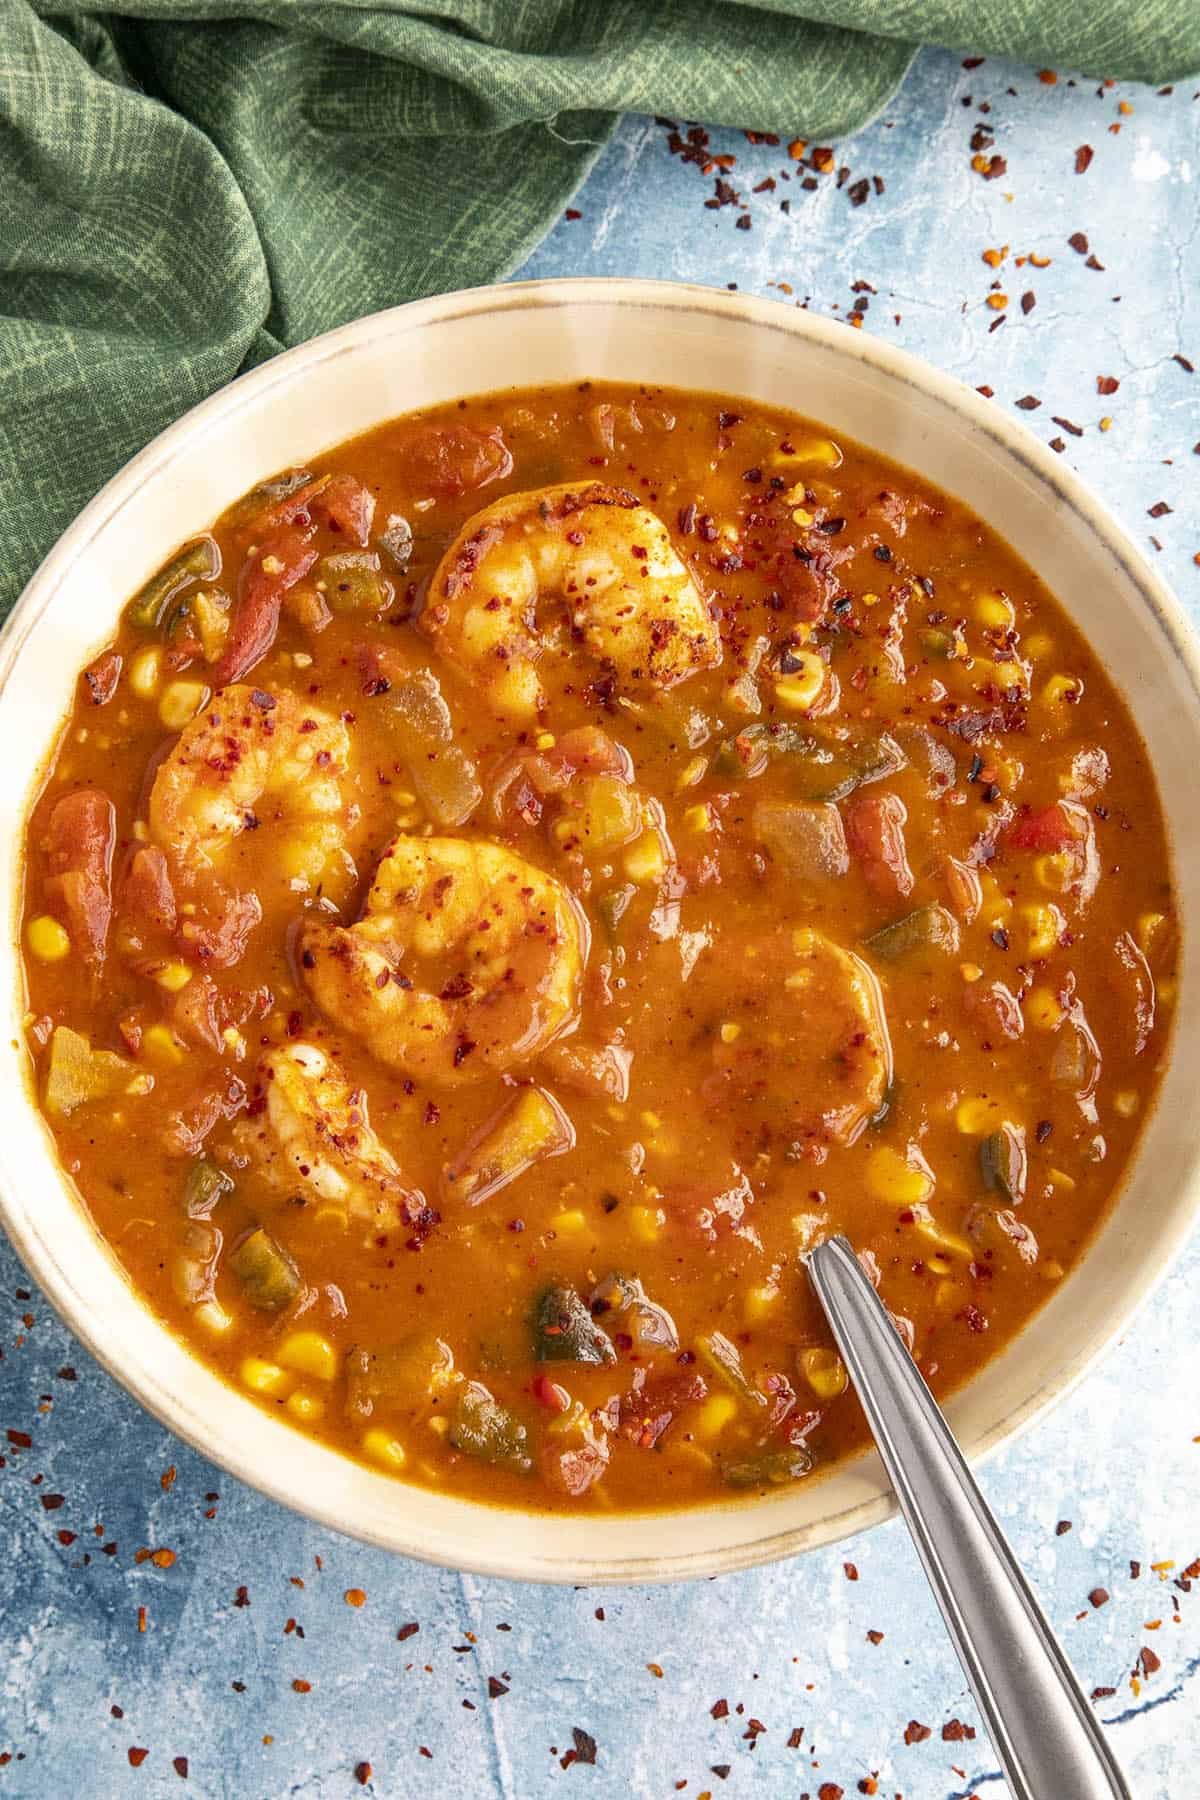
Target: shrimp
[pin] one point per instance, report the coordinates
(809, 1055)
(467, 960)
(611, 563)
(248, 759)
(311, 1134)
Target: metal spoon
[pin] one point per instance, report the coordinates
(1044, 1731)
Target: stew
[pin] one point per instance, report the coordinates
(514, 884)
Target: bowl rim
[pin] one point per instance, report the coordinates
(241, 396)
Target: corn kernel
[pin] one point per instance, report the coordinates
(1149, 928)
(824, 1371)
(264, 1377)
(1043, 1010)
(731, 1031)
(646, 1223)
(545, 740)
(309, 1354)
(692, 772)
(1062, 690)
(1126, 1103)
(306, 1407)
(1051, 1271)
(48, 940)
(870, 599)
(645, 861)
(698, 818)
(383, 1448)
(1042, 927)
(145, 671)
(1061, 1180)
(929, 1228)
(758, 1303)
(900, 1180)
(939, 1265)
(801, 516)
(173, 976)
(976, 1116)
(181, 701)
(1166, 992)
(995, 611)
(1037, 647)
(814, 450)
(715, 1415)
(571, 1222)
(1055, 870)
(970, 971)
(800, 690)
(945, 1295)
(213, 1317)
(161, 1045)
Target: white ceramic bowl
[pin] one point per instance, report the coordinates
(560, 331)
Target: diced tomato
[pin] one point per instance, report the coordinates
(549, 1394)
(349, 507)
(277, 565)
(1051, 829)
(79, 852)
(148, 897)
(875, 833)
(573, 1471)
(455, 459)
(102, 676)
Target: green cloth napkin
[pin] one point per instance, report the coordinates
(186, 186)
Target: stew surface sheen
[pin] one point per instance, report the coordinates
(520, 881)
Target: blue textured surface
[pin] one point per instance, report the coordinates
(211, 1680)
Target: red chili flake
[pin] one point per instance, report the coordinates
(1107, 384)
(1064, 1525)
(496, 1688)
(656, 1670)
(407, 1631)
(1028, 301)
(422, 1751)
(180, 1766)
(850, 1572)
(1102, 1693)
(572, 213)
(990, 167)
(52, 1502)
(1149, 1661)
(136, 1755)
(742, 222)
(1078, 243)
(987, 392)
(242, 1597)
(973, 62)
(21, 1439)
(795, 1737)
(67, 1374)
(354, 1597)
(1189, 368)
(1075, 430)
(1135, 1569)
(1099, 1597)
(141, 1618)
(302, 1687)
(1094, 263)
(1159, 510)
(721, 1770)
(585, 1745)
(117, 1712)
(1083, 159)
(954, 1731)
(829, 1790)
(719, 1709)
(362, 1773)
(1057, 444)
(915, 1732)
(1029, 403)
(859, 191)
(166, 1480)
(65, 1537)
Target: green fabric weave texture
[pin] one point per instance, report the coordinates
(187, 186)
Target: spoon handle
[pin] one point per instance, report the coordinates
(1042, 1728)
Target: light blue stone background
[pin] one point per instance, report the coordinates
(1119, 1459)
